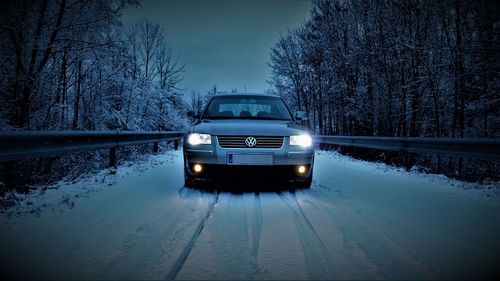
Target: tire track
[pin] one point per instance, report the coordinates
(187, 249)
(256, 226)
(358, 224)
(139, 241)
(315, 251)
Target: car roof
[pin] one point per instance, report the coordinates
(246, 94)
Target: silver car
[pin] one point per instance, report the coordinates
(247, 135)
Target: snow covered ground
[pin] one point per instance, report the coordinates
(358, 220)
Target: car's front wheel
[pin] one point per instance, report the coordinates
(304, 184)
(188, 180)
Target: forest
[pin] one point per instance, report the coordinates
(408, 68)
(73, 65)
(396, 68)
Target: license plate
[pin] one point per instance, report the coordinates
(249, 159)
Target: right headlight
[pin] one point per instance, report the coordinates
(196, 138)
(304, 140)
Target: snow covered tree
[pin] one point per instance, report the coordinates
(394, 68)
(72, 65)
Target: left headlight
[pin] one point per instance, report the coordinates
(302, 140)
(196, 138)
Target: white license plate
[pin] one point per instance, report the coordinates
(249, 159)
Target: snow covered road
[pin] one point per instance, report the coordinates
(357, 221)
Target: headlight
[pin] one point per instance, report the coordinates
(195, 139)
(302, 140)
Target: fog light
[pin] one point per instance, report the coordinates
(302, 169)
(197, 168)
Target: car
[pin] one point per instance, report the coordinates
(250, 136)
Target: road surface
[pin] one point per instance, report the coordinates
(357, 221)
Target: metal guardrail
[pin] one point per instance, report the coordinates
(31, 144)
(479, 148)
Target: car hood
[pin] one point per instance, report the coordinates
(248, 127)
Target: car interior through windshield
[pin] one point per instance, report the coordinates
(247, 108)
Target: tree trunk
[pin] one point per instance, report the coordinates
(77, 96)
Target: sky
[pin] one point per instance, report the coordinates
(223, 42)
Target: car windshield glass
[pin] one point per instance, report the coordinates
(247, 107)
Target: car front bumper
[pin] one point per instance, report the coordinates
(241, 173)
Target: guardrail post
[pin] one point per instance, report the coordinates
(176, 144)
(407, 162)
(112, 157)
(155, 147)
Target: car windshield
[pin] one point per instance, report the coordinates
(247, 107)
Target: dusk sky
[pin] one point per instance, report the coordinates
(223, 43)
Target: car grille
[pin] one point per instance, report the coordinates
(239, 142)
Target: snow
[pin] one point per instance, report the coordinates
(359, 220)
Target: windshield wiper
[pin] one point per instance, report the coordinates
(220, 117)
(273, 118)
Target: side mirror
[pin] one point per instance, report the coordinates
(301, 115)
(193, 114)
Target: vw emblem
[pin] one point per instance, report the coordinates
(250, 141)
